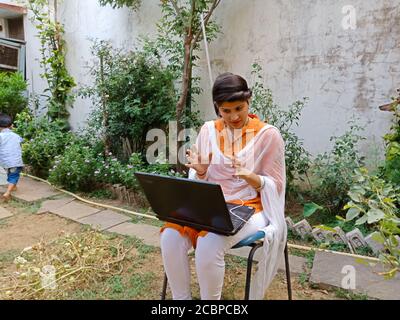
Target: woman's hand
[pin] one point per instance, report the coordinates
(250, 177)
(196, 162)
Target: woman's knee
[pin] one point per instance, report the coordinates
(209, 252)
(171, 241)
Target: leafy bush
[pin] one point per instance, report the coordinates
(43, 141)
(80, 168)
(392, 163)
(133, 93)
(12, 86)
(75, 168)
(112, 171)
(297, 158)
(333, 170)
(375, 201)
(53, 52)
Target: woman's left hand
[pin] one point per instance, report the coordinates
(243, 173)
(240, 171)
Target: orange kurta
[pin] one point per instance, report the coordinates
(253, 126)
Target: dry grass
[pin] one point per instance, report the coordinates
(72, 262)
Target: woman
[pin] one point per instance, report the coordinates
(246, 157)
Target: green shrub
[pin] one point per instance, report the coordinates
(112, 171)
(75, 168)
(133, 93)
(296, 156)
(12, 100)
(43, 141)
(333, 170)
(375, 201)
(392, 163)
(80, 168)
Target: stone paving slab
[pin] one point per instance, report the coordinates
(30, 190)
(4, 213)
(331, 269)
(104, 220)
(51, 205)
(150, 235)
(75, 210)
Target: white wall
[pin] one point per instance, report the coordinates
(302, 47)
(86, 20)
(305, 52)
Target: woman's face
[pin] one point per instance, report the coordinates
(234, 113)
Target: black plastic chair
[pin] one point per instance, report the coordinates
(254, 242)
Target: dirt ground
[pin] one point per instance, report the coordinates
(25, 229)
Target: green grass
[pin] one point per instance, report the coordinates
(101, 194)
(303, 278)
(365, 251)
(341, 247)
(349, 295)
(25, 207)
(232, 261)
(139, 283)
(8, 256)
(3, 223)
(132, 283)
(310, 258)
(120, 287)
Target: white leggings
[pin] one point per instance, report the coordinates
(209, 258)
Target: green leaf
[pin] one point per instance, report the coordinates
(393, 241)
(375, 215)
(362, 261)
(388, 200)
(362, 220)
(310, 208)
(377, 236)
(352, 213)
(326, 228)
(355, 196)
(359, 178)
(349, 205)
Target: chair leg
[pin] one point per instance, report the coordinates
(289, 284)
(164, 289)
(249, 267)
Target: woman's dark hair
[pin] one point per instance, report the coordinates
(229, 87)
(5, 121)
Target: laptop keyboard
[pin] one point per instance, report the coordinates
(244, 214)
(235, 221)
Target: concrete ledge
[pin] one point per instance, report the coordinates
(104, 220)
(30, 190)
(330, 269)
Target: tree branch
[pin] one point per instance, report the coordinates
(206, 19)
(177, 10)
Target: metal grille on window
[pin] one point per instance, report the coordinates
(8, 58)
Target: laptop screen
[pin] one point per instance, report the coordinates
(188, 202)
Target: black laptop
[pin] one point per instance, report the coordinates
(193, 203)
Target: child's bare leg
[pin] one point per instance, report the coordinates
(10, 188)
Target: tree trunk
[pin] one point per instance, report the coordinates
(106, 140)
(180, 107)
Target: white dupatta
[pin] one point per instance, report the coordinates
(265, 156)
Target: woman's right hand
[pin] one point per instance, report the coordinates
(196, 162)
